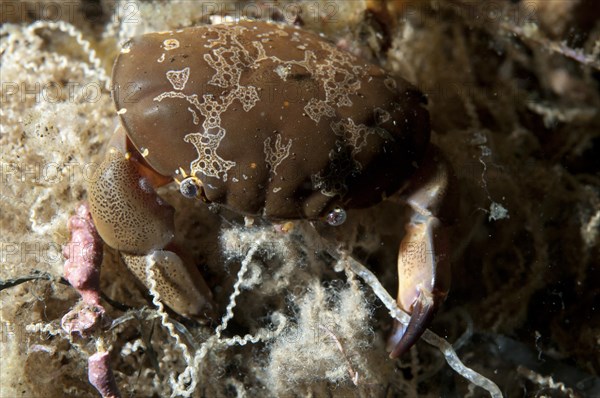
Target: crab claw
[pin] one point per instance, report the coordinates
(423, 266)
(423, 280)
(179, 284)
(132, 218)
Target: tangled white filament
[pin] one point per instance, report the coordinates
(75, 33)
(188, 376)
(236, 287)
(445, 348)
(185, 384)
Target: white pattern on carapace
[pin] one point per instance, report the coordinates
(178, 78)
(336, 72)
(276, 153)
(170, 44)
(390, 84)
(381, 116)
(196, 119)
(343, 162)
(209, 162)
(355, 136)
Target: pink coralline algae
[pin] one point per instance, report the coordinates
(101, 376)
(83, 256)
(82, 270)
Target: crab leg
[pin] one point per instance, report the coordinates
(131, 217)
(423, 264)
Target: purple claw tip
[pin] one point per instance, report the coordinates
(403, 337)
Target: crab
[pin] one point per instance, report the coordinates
(275, 122)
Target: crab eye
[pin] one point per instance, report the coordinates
(336, 217)
(189, 188)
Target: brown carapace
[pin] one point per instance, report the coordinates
(268, 120)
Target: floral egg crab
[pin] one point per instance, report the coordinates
(271, 121)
